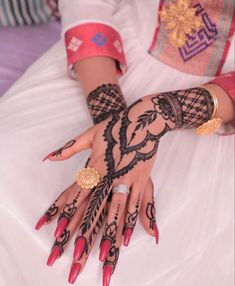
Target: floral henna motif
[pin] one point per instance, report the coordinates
(104, 101)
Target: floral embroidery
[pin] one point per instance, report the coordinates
(118, 46)
(181, 20)
(99, 40)
(74, 44)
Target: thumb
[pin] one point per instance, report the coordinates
(76, 145)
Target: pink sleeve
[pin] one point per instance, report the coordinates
(227, 82)
(94, 39)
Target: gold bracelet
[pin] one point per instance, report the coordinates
(212, 125)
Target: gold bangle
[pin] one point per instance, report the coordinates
(212, 125)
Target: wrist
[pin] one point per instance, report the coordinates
(104, 101)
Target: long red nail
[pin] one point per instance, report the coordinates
(74, 271)
(47, 156)
(107, 273)
(156, 233)
(80, 245)
(127, 236)
(63, 222)
(41, 222)
(55, 253)
(104, 249)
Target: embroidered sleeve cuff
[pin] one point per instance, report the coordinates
(93, 39)
(226, 82)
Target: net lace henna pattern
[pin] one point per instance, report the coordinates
(104, 101)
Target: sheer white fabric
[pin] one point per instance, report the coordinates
(193, 177)
(75, 12)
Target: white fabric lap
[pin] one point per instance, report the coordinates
(193, 177)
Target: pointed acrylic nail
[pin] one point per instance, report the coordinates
(104, 249)
(107, 273)
(127, 236)
(80, 245)
(74, 271)
(49, 155)
(55, 253)
(63, 222)
(156, 233)
(41, 222)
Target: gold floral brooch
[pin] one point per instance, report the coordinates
(181, 20)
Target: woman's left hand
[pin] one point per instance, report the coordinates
(123, 152)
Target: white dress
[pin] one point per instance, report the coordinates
(193, 176)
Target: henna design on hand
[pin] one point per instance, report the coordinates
(113, 257)
(151, 213)
(131, 218)
(97, 227)
(177, 109)
(110, 233)
(110, 230)
(62, 240)
(53, 209)
(104, 101)
(99, 196)
(58, 152)
(70, 209)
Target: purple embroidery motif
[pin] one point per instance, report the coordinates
(202, 39)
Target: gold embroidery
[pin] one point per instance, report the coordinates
(181, 20)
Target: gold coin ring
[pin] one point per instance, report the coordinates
(88, 178)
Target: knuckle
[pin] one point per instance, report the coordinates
(118, 201)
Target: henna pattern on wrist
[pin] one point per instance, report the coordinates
(104, 101)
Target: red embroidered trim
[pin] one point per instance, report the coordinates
(94, 39)
(227, 46)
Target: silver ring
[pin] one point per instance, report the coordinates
(121, 189)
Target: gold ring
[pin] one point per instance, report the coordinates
(88, 178)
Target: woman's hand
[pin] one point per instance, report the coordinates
(69, 212)
(123, 151)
